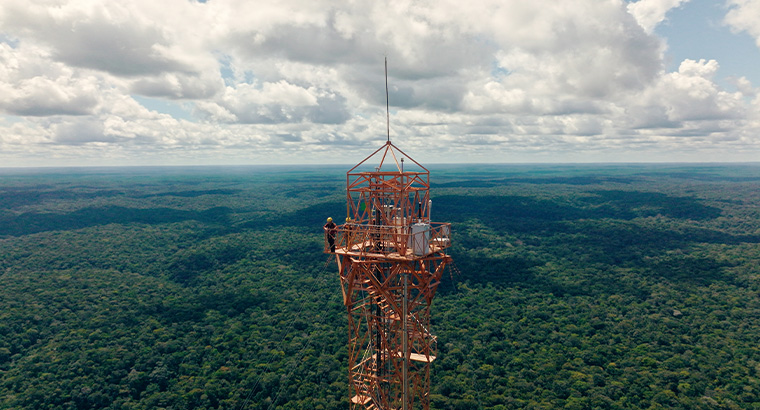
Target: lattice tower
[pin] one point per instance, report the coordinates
(391, 258)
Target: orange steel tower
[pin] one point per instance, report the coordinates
(391, 258)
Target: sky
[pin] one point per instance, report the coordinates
(235, 82)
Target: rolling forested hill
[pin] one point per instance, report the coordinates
(578, 287)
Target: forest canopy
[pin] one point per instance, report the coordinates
(605, 287)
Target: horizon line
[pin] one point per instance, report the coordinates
(611, 163)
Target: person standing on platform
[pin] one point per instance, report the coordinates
(331, 230)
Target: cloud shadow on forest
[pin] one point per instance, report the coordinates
(516, 211)
(13, 197)
(701, 176)
(575, 180)
(498, 271)
(632, 204)
(690, 270)
(192, 308)
(599, 235)
(311, 218)
(35, 222)
(192, 193)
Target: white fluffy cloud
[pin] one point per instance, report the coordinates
(687, 95)
(744, 15)
(294, 80)
(650, 13)
(32, 85)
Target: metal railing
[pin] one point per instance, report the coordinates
(403, 240)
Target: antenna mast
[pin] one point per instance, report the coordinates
(387, 105)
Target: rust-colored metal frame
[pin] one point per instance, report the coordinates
(391, 258)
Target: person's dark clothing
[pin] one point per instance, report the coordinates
(331, 230)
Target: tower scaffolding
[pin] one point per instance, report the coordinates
(391, 258)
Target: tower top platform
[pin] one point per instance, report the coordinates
(388, 211)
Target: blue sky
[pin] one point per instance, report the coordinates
(177, 82)
(696, 30)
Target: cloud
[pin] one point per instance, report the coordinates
(744, 15)
(178, 86)
(151, 41)
(572, 60)
(31, 85)
(273, 103)
(297, 80)
(81, 131)
(650, 13)
(107, 36)
(687, 95)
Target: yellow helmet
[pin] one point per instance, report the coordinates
(329, 219)
(348, 219)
